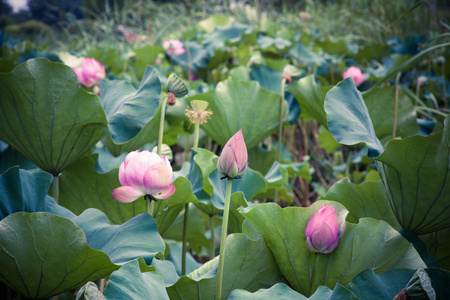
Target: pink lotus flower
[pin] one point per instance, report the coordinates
(356, 74)
(91, 72)
(174, 47)
(144, 173)
(322, 230)
(233, 160)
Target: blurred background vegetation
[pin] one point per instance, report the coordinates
(77, 23)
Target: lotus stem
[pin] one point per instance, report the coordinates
(444, 88)
(211, 227)
(161, 126)
(397, 83)
(149, 205)
(223, 238)
(196, 134)
(55, 188)
(184, 247)
(316, 258)
(280, 130)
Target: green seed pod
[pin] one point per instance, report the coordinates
(176, 86)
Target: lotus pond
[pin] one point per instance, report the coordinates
(231, 161)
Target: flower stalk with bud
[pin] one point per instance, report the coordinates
(232, 164)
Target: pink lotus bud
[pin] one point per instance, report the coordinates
(91, 72)
(322, 230)
(174, 47)
(144, 173)
(233, 161)
(356, 74)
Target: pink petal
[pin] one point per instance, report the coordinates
(126, 194)
(322, 238)
(122, 175)
(157, 178)
(166, 193)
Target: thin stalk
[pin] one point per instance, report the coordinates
(417, 93)
(211, 227)
(55, 188)
(102, 284)
(397, 83)
(280, 131)
(161, 126)
(444, 88)
(438, 112)
(223, 238)
(196, 134)
(149, 205)
(316, 258)
(183, 253)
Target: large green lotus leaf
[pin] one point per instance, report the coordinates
(196, 229)
(25, 191)
(380, 104)
(242, 105)
(228, 35)
(368, 244)
(251, 184)
(210, 23)
(348, 118)
(174, 258)
(82, 187)
(415, 174)
(143, 57)
(367, 199)
(249, 265)
(200, 56)
(261, 159)
(47, 116)
(266, 77)
(21, 190)
(438, 244)
(10, 157)
(311, 98)
(148, 134)
(281, 291)
(42, 255)
(129, 109)
(305, 56)
(276, 45)
(384, 286)
(129, 283)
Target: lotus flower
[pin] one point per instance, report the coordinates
(144, 173)
(174, 47)
(322, 230)
(356, 74)
(233, 160)
(91, 72)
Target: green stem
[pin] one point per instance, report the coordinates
(316, 258)
(444, 88)
(196, 134)
(211, 227)
(397, 86)
(185, 226)
(55, 188)
(149, 204)
(161, 126)
(280, 131)
(226, 211)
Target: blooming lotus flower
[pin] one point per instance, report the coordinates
(356, 74)
(91, 72)
(322, 230)
(174, 47)
(144, 173)
(233, 160)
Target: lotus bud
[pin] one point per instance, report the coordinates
(233, 160)
(91, 72)
(356, 74)
(322, 230)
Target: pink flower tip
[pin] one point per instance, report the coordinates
(356, 74)
(322, 230)
(174, 47)
(144, 173)
(233, 160)
(91, 72)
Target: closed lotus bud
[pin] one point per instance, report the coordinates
(233, 160)
(356, 74)
(322, 230)
(91, 72)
